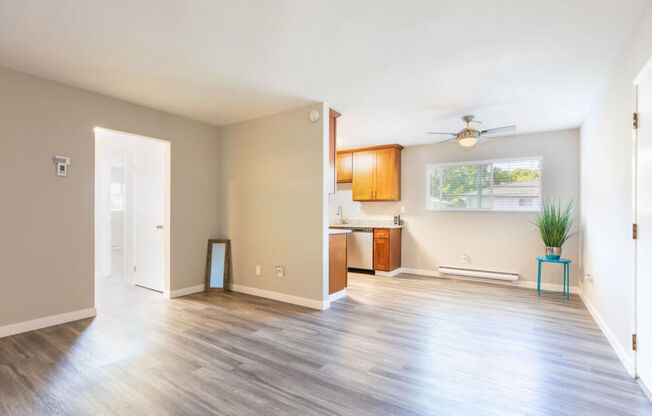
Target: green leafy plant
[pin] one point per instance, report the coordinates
(555, 224)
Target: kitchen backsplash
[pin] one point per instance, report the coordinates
(359, 213)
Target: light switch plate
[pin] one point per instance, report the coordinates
(280, 271)
(257, 270)
(402, 210)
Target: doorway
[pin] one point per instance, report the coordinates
(132, 209)
(643, 219)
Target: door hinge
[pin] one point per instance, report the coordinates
(634, 342)
(634, 231)
(635, 121)
(134, 268)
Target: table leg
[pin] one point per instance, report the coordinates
(539, 280)
(567, 281)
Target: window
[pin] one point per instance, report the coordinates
(490, 185)
(117, 196)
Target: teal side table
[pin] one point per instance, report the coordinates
(566, 264)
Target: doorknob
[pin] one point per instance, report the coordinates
(159, 227)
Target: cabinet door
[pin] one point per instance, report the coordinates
(381, 255)
(337, 262)
(386, 175)
(332, 144)
(364, 175)
(344, 167)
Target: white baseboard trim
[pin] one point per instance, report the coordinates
(337, 295)
(34, 324)
(644, 388)
(621, 352)
(171, 294)
(390, 274)
(419, 272)
(282, 297)
(521, 283)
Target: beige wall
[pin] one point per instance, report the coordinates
(273, 201)
(606, 179)
(46, 248)
(493, 241)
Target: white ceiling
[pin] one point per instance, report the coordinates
(395, 69)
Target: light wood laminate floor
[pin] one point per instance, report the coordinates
(405, 345)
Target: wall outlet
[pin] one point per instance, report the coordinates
(588, 276)
(280, 271)
(402, 210)
(465, 259)
(257, 270)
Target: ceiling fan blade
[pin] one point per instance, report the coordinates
(498, 130)
(447, 140)
(441, 132)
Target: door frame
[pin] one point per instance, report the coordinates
(637, 80)
(167, 146)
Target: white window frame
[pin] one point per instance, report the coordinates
(430, 166)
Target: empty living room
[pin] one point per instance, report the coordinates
(292, 207)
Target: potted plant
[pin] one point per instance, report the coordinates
(555, 227)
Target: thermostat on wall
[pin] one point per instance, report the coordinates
(62, 163)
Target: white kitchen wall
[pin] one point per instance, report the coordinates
(606, 180)
(494, 241)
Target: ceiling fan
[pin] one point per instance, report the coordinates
(469, 136)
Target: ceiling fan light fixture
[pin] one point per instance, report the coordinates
(469, 136)
(468, 141)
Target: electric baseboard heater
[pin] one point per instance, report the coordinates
(485, 274)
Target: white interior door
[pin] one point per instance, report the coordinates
(149, 218)
(644, 239)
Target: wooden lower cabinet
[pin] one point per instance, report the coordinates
(337, 262)
(381, 255)
(387, 249)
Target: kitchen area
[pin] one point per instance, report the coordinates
(360, 242)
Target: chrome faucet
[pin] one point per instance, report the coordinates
(339, 214)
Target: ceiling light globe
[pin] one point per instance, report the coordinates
(468, 141)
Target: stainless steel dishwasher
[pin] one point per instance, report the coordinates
(360, 249)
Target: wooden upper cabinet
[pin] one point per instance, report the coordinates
(377, 173)
(364, 175)
(344, 167)
(387, 173)
(332, 145)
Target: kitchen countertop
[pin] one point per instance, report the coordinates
(365, 225)
(330, 232)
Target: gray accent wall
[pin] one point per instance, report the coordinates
(46, 222)
(273, 202)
